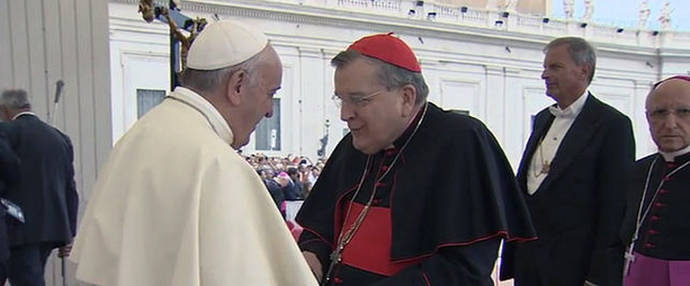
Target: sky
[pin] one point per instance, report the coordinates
(625, 13)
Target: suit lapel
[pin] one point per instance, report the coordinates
(576, 139)
(542, 122)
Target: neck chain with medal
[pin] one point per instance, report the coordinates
(345, 237)
(629, 256)
(545, 164)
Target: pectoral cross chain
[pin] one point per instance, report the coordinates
(629, 259)
(336, 257)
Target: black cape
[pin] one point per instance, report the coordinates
(452, 186)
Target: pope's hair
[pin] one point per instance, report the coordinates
(208, 81)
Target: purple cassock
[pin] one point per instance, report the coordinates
(647, 271)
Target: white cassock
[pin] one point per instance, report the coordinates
(176, 205)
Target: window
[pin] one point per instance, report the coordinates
(268, 131)
(147, 99)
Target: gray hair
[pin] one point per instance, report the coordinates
(206, 81)
(580, 51)
(15, 99)
(390, 75)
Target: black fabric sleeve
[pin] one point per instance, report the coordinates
(456, 265)
(71, 196)
(312, 243)
(316, 215)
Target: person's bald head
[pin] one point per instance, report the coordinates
(668, 113)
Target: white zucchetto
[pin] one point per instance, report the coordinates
(223, 44)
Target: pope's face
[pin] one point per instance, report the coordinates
(259, 96)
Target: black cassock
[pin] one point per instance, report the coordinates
(436, 218)
(665, 231)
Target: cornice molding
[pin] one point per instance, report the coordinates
(493, 69)
(510, 71)
(310, 52)
(346, 18)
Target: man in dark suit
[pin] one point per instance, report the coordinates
(298, 186)
(9, 165)
(46, 191)
(572, 177)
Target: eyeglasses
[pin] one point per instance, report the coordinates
(355, 101)
(660, 114)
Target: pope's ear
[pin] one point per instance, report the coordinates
(235, 84)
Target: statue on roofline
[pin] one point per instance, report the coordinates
(644, 14)
(508, 5)
(665, 17)
(589, 10)
(568, 8)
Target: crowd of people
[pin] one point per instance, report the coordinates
(288, 178)
(413, 195)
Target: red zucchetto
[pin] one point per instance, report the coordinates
(389, 49)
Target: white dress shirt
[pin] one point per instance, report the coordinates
(546, 149)
(22, 113)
